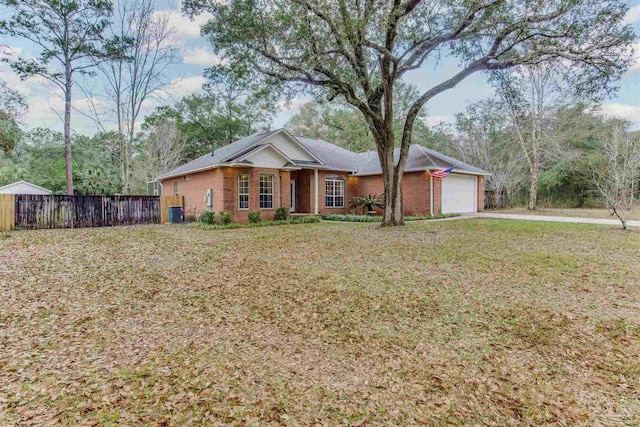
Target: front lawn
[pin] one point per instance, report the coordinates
(578, 212)
(486, 322)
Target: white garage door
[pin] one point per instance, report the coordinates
(459, 194)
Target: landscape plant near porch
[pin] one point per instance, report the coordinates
(309, 219)
(370, 202)
(360, 52)
(281, 214)
(254, 217)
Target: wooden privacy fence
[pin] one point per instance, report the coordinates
(166, 202)
(7, 212)
(38, 211)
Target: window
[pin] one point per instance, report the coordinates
(266, 191)
(243, 191)
(175, 188)
(334, 192)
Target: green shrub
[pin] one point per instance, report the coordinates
(351, 218)
(299, 220)
(254, 217)
(225, 217)
(370, 202)
(428, 217)
(207, 217)
(204, 226)
(305, 219)
(367, 218)
(281, 214)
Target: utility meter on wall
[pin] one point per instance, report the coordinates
(209, 198)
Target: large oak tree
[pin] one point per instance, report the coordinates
(358, 49)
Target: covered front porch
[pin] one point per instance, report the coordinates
(304, 193)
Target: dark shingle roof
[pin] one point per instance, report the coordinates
(220, 155)
(331, 155)
(420, 158)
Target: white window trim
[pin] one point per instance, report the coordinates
(341, 185)
(248, 191)
(176, 188)
(272, 194)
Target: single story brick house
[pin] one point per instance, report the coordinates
(273, 169)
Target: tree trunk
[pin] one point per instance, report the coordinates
(392, 214)
(392, 201)
(67, 132)
(533, 190)
(533, 172)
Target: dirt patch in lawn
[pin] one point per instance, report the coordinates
(455, 323)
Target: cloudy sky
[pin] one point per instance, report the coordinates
(45, 102)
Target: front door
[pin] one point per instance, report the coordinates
(293, 196)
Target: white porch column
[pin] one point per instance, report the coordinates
(315, 190)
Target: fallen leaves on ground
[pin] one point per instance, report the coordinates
(475, 322)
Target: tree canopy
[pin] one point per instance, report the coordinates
(357, 50)
(70, 34)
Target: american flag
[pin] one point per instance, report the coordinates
(442, 173)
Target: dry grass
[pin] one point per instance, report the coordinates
(581, 213)
(469, 322)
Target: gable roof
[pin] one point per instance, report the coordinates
(325, 154)
(245, 156)
(225, 155)
(15, 184)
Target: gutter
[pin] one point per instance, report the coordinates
(426, 170)
(231, 165)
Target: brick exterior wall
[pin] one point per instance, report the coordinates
(415, 190)
(231, 199)
(195, 189)
(349, 192)
(437, 196)
(285, 189)
(224, 183)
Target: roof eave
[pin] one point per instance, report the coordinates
(462, 171)
(426, 170)
(177, 174)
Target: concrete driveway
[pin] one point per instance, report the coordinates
(576, 220)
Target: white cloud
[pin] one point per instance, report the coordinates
(185, 86)
(632, 15)
(293, 106)
(182, 25)
(622, 111)
(436, 120)
(10, 52)
(635, 65)
(200, 56)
